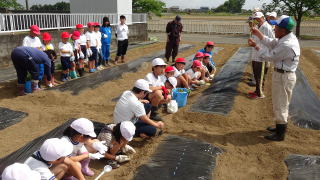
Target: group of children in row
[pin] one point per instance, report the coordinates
(75, 48)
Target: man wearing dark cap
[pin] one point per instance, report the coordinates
(173, 30)
(284, 52)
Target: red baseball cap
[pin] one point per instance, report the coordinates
(75, 35)
(169, 69)
(96, 24)
(199, 55)
(65, 35)
(90, 24)
(196, 63)
(79, 26)
(180, 60)
(35, 29)
(46, 36)
(207, 55)
(210, 43)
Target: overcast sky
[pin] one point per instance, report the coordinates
(250, 4)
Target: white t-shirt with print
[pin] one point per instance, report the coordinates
(128, 108)
(192, 74)
(122, 32)
(65, 47)
(177, 72)
(76, 44)
(32, 42)
(40, 167)
(155, 81)
(83, 39)
(78, 148)
(92, 38)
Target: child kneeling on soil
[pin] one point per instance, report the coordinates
(52, 161)
(194, 74)
(79, 133)
(67, 58)
(116, 137)
(180, 73)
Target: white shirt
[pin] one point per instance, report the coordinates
(78, 148)
(98, 37)
(284, 52)
(32, 42)
(155, 81)
(83, 39)
(177, 72)
(76, 44)
(192, 74)
(122, 32)
(40, 167)
(47, 47)
(128, 108)
(267, 30)
(92, 38)
(65, 47)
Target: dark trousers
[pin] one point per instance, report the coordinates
(122, 47)
(23, 65)
(171, 49)
(144, 128)
(259, 75)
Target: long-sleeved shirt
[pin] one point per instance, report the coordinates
(266, 30)
(284, 52)
(122, 32)
(106, 35)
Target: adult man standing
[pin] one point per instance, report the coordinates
(260, 67)
(284, 52)
(173, 30)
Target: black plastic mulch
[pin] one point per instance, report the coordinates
(219, 98)
(303, 167)
(180, 158)
(9, 117)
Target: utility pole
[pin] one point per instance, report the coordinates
(27, 5)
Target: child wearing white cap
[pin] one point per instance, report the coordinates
(156, 80)
(51, 160)
(116, 137)
(130, 108)
(18, 171)
(77, 134)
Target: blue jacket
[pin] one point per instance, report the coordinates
(106, 31)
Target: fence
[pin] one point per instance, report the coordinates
(224, 27)
(22, 22)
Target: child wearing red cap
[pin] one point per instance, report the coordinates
(66, 52)
(210, 71)
(32, 40)
(180, 73)
(92, 44)
(194, 74)
(48, 48)
(76, 46)
(83, 49)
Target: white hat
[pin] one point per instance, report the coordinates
(84, 126)
(258, 15)
(54, 148)
(257, 9)
(158, 62)
(173, 81)
(273, 14)
(143, 85)
(268, 14)
(18, 171)
(127, 130)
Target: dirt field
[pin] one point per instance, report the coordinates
(247, 155)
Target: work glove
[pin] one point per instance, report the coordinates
(122, 158)
(99, 146)
(72, 58)
(81, 55)
(201, 82)
(128, 149)
(89, 52)
(95, 156)
(105, 36)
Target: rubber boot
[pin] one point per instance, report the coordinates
(123, 59)
(21, 90)
(64, 77)
(35, 86)
(85, 167)
(103, 63)
(271, 129)
(73, 75)
(80, 72)
(116, 60)
(279, 135)
(154, 114)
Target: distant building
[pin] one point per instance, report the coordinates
(204, 9)
(174, 9)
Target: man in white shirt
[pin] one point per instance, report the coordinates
(260, 67)
(32, 39)
(156, 80)
(284, 52)
(122, 32)
(130, 107)
(51, 161)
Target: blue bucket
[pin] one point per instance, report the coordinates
(181, 96)
(27, 87)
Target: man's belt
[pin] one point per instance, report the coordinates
(282, 71)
